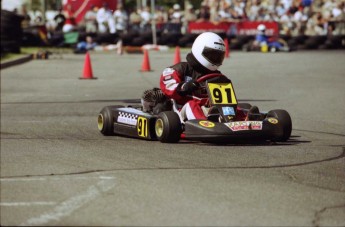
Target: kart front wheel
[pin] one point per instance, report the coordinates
(168, 127)
(105, 121)
(284, 124)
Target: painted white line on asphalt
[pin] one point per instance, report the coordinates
(52, 178)
(70, 205)
(12, 204)
(22, 179)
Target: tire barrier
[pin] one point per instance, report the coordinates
(133, 38)
(11, 32)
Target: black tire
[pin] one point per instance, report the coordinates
(168, 127)
(284, 125)
(105, 120)
(244, 105)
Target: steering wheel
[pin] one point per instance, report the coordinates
(209, 76)
(201, 92)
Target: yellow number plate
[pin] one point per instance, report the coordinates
(222, 93)
(142, 126)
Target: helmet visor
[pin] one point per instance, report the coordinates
(214, 56)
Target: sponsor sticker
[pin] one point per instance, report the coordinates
(127, 120)
(207, 124)
(168, 71)
(228, 110)
(244, 125)
(272, 120)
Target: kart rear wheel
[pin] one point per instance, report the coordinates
(168, 127)
(105, 121)
(284, 124)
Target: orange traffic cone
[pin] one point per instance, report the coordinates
(177, 58)
(87, 71)
(145, 67)
(227, 52)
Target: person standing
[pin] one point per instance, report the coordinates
(105, 20)
(121, 19)
(90, 19)
(70, 22)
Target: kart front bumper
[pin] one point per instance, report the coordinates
(208, 131)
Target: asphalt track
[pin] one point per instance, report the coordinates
(57, 169)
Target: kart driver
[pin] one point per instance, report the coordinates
(178, 82)
(261, 39)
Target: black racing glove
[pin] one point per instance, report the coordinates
(187, 88)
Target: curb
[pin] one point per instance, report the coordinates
(17, 61)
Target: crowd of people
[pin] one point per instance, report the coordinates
(295, 17)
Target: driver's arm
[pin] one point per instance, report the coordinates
(172, 83)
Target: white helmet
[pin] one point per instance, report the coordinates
(261, 27)
(209, 50)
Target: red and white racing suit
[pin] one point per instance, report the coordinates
(171, 81)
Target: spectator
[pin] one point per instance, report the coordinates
(50, 22)
(204, 13)
(253, 12)
(272, 16)
(286, 23)
(286, 3)
(70, 23)
(145, 19)
(36, 17)
(262, 15)
(224, 13)
(121, 19)
(84, 46)
(316, 25)
(176, 16)
(90, 19)
(280, 9)
(188, 17)
(105, 20)
(134, 20)
(239, 9)
(338, 11)
(190, 14)
(59, 20)
(300, 20)
(213, 6)
(337, 19)
(161, 16)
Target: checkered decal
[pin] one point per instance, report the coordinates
(127, 118)
(128, 115)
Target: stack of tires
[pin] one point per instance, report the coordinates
(11, 32)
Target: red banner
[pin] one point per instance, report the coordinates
(200, 27)
(239, 28)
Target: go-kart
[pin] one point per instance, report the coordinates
(280, 45)
(220, 126)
